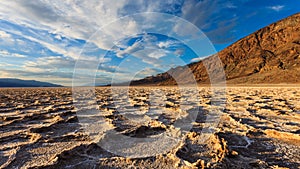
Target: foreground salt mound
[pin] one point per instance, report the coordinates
(258, 129)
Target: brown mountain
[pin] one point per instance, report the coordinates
(269, 55)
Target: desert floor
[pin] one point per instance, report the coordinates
(259, 127)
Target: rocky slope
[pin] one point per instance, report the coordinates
(269, 55)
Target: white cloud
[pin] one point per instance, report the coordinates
(52, 21)
(6, 38)
(138, 45)
(63, 63)
(230, 5)
(148, 72)
(55, 68)
(55, 47)
(81, 19)
(4, 35)
(276, 8)
(66, 21)
(77, 20)
(147, 49)
(19, 55)
(166, 44)
(144, 55)
(158, 53)
(5, 53)
(208, 19)
(3, 64)
(179, 52)
(197, 59)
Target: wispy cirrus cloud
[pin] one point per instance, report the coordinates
(206, 16)
(48, 36)
(4, 34)
(276, 8)
(147, 49)
(149, 72)
(5, 53)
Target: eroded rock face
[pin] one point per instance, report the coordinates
(269, 55)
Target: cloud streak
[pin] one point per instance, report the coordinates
(5, 53)
(276, 8)
(48, 36)
(4, 35)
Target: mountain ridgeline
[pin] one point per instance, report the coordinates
(270, 55)
(9, 82)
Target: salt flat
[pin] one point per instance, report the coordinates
(259, 128)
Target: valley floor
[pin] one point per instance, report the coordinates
(259, 127)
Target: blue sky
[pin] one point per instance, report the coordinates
(43, 40)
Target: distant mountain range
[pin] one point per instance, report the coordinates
(9, 82)
(270, 55)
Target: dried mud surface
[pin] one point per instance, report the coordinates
(259, 128)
